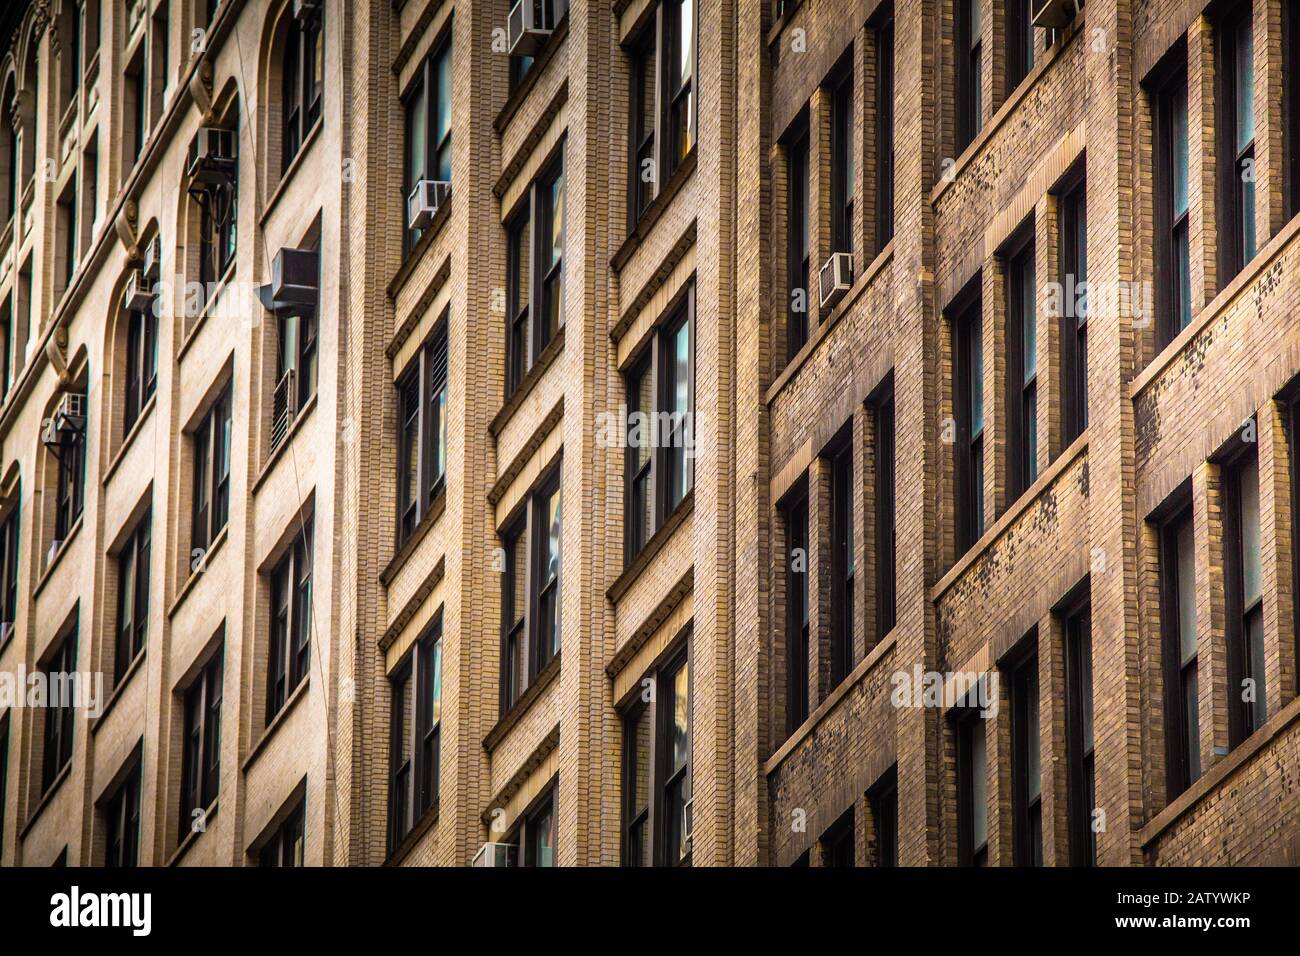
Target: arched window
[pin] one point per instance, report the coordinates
(301, 69)
(9, 151)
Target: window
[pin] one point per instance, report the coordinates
(1020, 41)
(883, 800)
(534, 837)
(1026, 764)
(842, 163)
(1074, 313)
(66, 223)
(838, 842)
(531, 598)
(141, 364)
(6, 343)
(970, 67)
(1235, 52)
(797, 250)
(9, 570)
(303, 79)
(133, 596)
(1022, 372)
(679, 80)
(796, 625)
(1178, 622)
(218, 228)
(60, 672)
(884, 34)
(122, 821)
(290, 649)
(136, 112)
(1243, 575)
(428, 129)
(660, 456)
(4, 774)
(657, 770)
(1293, 450)
(535, 263)
(842, 562)
(1173, 257)
(972, 791)
(1080, 777)
(886, 538)
(295, 369)
(422, 411)
(642, 125)
(286, 845)
(416, 732)
(968, 399)
(71, 491)
(211, 473)
(201, 757)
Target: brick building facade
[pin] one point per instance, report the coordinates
(570, 434)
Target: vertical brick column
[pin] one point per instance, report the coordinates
(820, 612)
(1112, 353)
(1275, 531)
(1047, 270)
(994, 304)
(1211, 640)
(1201, 163)
(1270, 130)
(1055, 754)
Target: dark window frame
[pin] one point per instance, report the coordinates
(70, 493)
(422, 393)
(287, 844)
(970, 731)
(219, 234)
(133, 579)
(884, 437)
(122, 819)
(525, 650)
(843, 487)
(1245, 654)
(535, 314)
(141, 364)
(289, 647)
(435, 152)
(1080, 742)
(201, 753)
(968, 360)
(10, 541)
(1236, 216)
(970, 82)
(1182, 740)
(883, 800)
(535, 825)
(1072, 203)
(211, 499)
(666, 783)
(1022, 380)
(883, 32)
(1026, 741)
(413, 779)
(301, 82)
(843, 156)
(1020, 41)
(838, 843)
(60, 717)
(1173, 225)
(798, 238)
(798, 647)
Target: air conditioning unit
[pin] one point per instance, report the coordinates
(495, 854)
(425, 200)
(284, 407)
(835, 279)
(529, 27)
(688, 822)
(67, 421)
(306, 9)
(152, 263)
(1054, 14)
(295, 279)
(212, 156)
(138, 294)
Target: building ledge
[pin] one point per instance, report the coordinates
(54, 563)
(195, 575)
(46, 799)
(655, 211)
(663, 534)
(119, 689)
(519, 95)
(520, 707)
(545, 359)
(290, 174)
(129, 440)
(299, 423)
(192, 837)
(418, 534)
(290, 705)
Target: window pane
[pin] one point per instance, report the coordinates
(1250, 558)
(442, 121)
(1029, 317)
(1245, 83)
(979, 785)
(1178, 133)
(1186, 592)
(977, 375)
(681, 742)
(416, 138)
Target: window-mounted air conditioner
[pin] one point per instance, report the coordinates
(306, 9)
(152, 262)
(495, 854)
(529, 27)
(137, 296)
(295, 277)
(1054, 14)
(425, 200)
(67, 421)
(212, 156)
(835, 279)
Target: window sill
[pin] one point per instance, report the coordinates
(535, 374)
(520, 707)
(46, 799)
(520, 93)
(285, 442)
(53, 565)
(418, 534)
(422, 826)
(119, 689)
(623, 583)
(129, 440)
(654, 212)
(192, 837)
(193, 579)
(413, 257)
(289, 174)
(774, 32)
(290, 704)
(193, 333)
